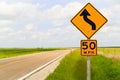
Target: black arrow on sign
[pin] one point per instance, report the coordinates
(85, 13)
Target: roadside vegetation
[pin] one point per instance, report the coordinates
(110, 50)
(103, 68)
(11, 52)
(73, 67)
(113, 53)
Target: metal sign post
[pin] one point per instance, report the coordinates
(88, 68)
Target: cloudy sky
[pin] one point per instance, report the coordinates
(46, 23)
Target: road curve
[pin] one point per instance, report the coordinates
(14, 68)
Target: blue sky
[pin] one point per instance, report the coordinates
(46, 23)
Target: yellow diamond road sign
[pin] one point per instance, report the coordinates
(89, 20)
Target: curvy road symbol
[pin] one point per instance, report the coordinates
(85, 13)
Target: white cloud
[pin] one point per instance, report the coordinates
(58, 13)
(29, 27)
(30, 12)
(6, 29)
(18, 11)
(6, 22)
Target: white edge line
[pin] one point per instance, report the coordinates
(38, 69)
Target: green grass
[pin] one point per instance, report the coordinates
(72, 67)
(110, 50)
(103, 68)
(11, 52)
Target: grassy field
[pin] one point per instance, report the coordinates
(73, 67)
(11, 52)
(104, 68)
(110, 50)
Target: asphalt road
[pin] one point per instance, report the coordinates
(14, 68)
